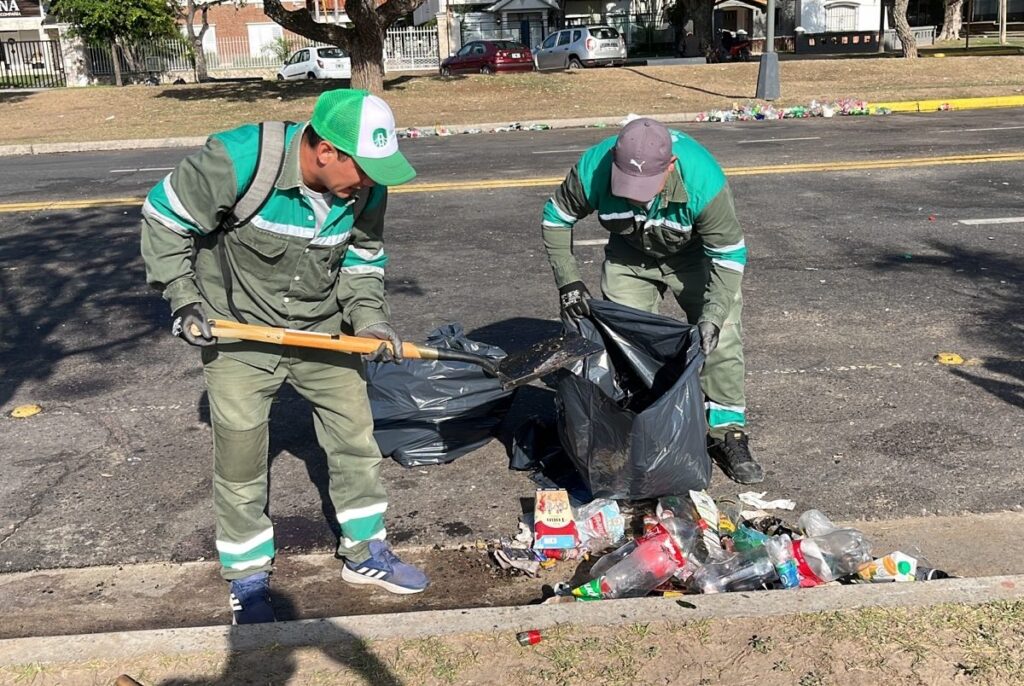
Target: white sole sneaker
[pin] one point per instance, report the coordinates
(354, 577)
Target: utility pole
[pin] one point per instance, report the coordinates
(881, 26)
(1002, 22)
(970, 15)
(768, 73)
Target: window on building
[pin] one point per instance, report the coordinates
(262, 36)
(841, 18)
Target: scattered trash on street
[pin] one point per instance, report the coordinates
(754, 111)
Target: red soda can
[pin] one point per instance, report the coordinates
(528, 638)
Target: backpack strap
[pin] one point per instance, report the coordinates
(269, 162)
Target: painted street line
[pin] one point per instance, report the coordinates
(143, 169)
(550, 181)
(993, 220)
(988, 128)
(779, 140)
(556, 152)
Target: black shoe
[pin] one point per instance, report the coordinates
(732, 454)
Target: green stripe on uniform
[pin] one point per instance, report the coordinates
(265, 549)
(363, 528)
(717, 417)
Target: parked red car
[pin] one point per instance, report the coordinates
(489, 57)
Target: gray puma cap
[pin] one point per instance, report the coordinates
(642, 154)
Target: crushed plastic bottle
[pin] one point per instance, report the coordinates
(746, 539)
(780, 552)
(656, 558)
(821, 559)
(815, 523)
(740, 572)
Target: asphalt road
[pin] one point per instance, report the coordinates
(858, 277)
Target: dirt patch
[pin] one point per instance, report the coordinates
(107, 113)
(947, 644)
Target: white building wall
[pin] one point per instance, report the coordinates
(813, 14)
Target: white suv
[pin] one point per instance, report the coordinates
(581, 46)
(316, 63)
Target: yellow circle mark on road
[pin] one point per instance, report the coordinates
(949, 358)
(24, 411)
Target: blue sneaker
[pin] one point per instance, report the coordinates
(250, 600)
(384, 569)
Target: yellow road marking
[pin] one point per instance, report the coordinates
(548, 181)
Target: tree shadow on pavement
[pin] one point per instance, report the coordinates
(253, 91)
(71, 286)
(683, 85)
(995, 281)
(267, 653)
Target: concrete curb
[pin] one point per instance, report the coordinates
(314, 632)
(672, 118)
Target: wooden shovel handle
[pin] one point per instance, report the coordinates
(309, 339)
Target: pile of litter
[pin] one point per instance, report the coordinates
(754, 111)
(692, 544)
(414, 132)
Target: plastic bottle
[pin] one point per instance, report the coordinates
(815, 523)
(780, 552)
(608, 561)
(651, 563)
(746, 539)
(821, 559)
(737, 573)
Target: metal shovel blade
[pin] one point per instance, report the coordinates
(543, 358)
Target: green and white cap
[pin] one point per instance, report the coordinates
(363, 126)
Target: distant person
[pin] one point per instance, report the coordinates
(309, 255)
(673, 226)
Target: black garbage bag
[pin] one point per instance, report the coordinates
(632, 417)
(432, 412)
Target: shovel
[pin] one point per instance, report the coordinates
(514, 370)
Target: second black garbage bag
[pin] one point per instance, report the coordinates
(632, 417)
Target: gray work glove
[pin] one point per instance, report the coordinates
(708, 337)
(573, 299)
(192, 316)
(383, 331)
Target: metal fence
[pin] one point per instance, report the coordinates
(405, 49)
(32, 64)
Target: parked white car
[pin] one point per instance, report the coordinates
(316, 63)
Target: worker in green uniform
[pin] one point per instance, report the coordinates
(281, 224)
(673, 226)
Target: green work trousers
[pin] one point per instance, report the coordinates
(631, 278)
(240, 398)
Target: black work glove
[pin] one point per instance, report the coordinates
(384, 332)
(573, 299)
(708, 337)
(191, 317)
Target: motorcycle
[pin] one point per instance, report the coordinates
(730, 49)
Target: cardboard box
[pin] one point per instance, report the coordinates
(553, 525)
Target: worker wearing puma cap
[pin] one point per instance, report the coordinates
(673, 226)
(282, 224)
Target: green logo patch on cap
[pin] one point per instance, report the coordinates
(380, 137)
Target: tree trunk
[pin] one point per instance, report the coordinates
(115, 55)
(953, 20)
(899, 19)
(367, 45)
(700, 13)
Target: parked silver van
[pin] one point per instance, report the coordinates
(581, 46)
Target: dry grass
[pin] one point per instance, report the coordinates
(947, 644)
(106, 113)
